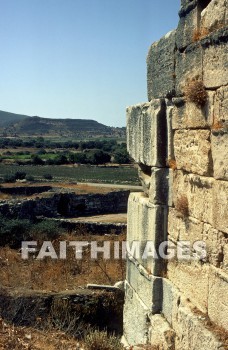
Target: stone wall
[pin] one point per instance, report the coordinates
(66, 205)
(180, 141)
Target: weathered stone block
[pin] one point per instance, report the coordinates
(220, 206)
(146, 133)
(216, 242)
(213, 16)
(188, 66)
(169, 116)
(146, 222)
(193, 230)
(188, 23)
(144, 173)
(187, 115)
(160, 191)
(215, 66)
(224, 264)
(157, 184)
(135, 318)
(184, 229)
(218, 297)
(221, 106)
(192, 280)
(185, 3)
(161, 67)
(161, 334)
(192, 151)
(219, 146)
(171, 299)
(191, 333)
(191, 330)
(148, 287)
(207, 198)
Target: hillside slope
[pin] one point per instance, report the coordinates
(14, 124)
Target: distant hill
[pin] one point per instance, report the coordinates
(21, 125)
(7, 118)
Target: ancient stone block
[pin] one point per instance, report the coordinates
(220, 206)
(144, 173)
(213, 16)
(192, 280)
(160, 191)
(185, 3)
(191, 330)
(224, 264)
(218, 297)
(184, 229)
(221, 107)
(207, 198)
(215, 68)
(157, 184)
(193, 230)
(192, 333)
(188, 23)
(161, 334)
(219, 147)
(161, 68)
(187, 115)
(169, 116)
(171, 299)
(192, 151)
(146, 133)
(188, 66)
(148, 287)
(146, 222)
(216, 242)
(135, 318)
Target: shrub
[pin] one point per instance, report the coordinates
(217, 125)
(199, 34)
(20, 175)
(182, 205)
(80, 158)
(172, 164)
(36, 160)
(13, 231)
(29, 178)
(45, 230)
(122, 157)
(9, 178)
(47, 176)
(100, 340)
(195, 92)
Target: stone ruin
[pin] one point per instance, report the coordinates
(180, 141)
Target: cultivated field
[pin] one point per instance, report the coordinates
(101, 174)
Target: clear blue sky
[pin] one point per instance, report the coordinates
(78, 58)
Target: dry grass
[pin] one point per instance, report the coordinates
(4, 196)
(172, 164)
(200, 33)
(101, 341)
(203, 31)
(195, 92)
(57, 275)
(217, 125)
(182, 205)
(27, 338)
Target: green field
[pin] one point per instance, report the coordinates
(112, 175)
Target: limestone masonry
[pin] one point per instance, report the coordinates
(179, 138)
